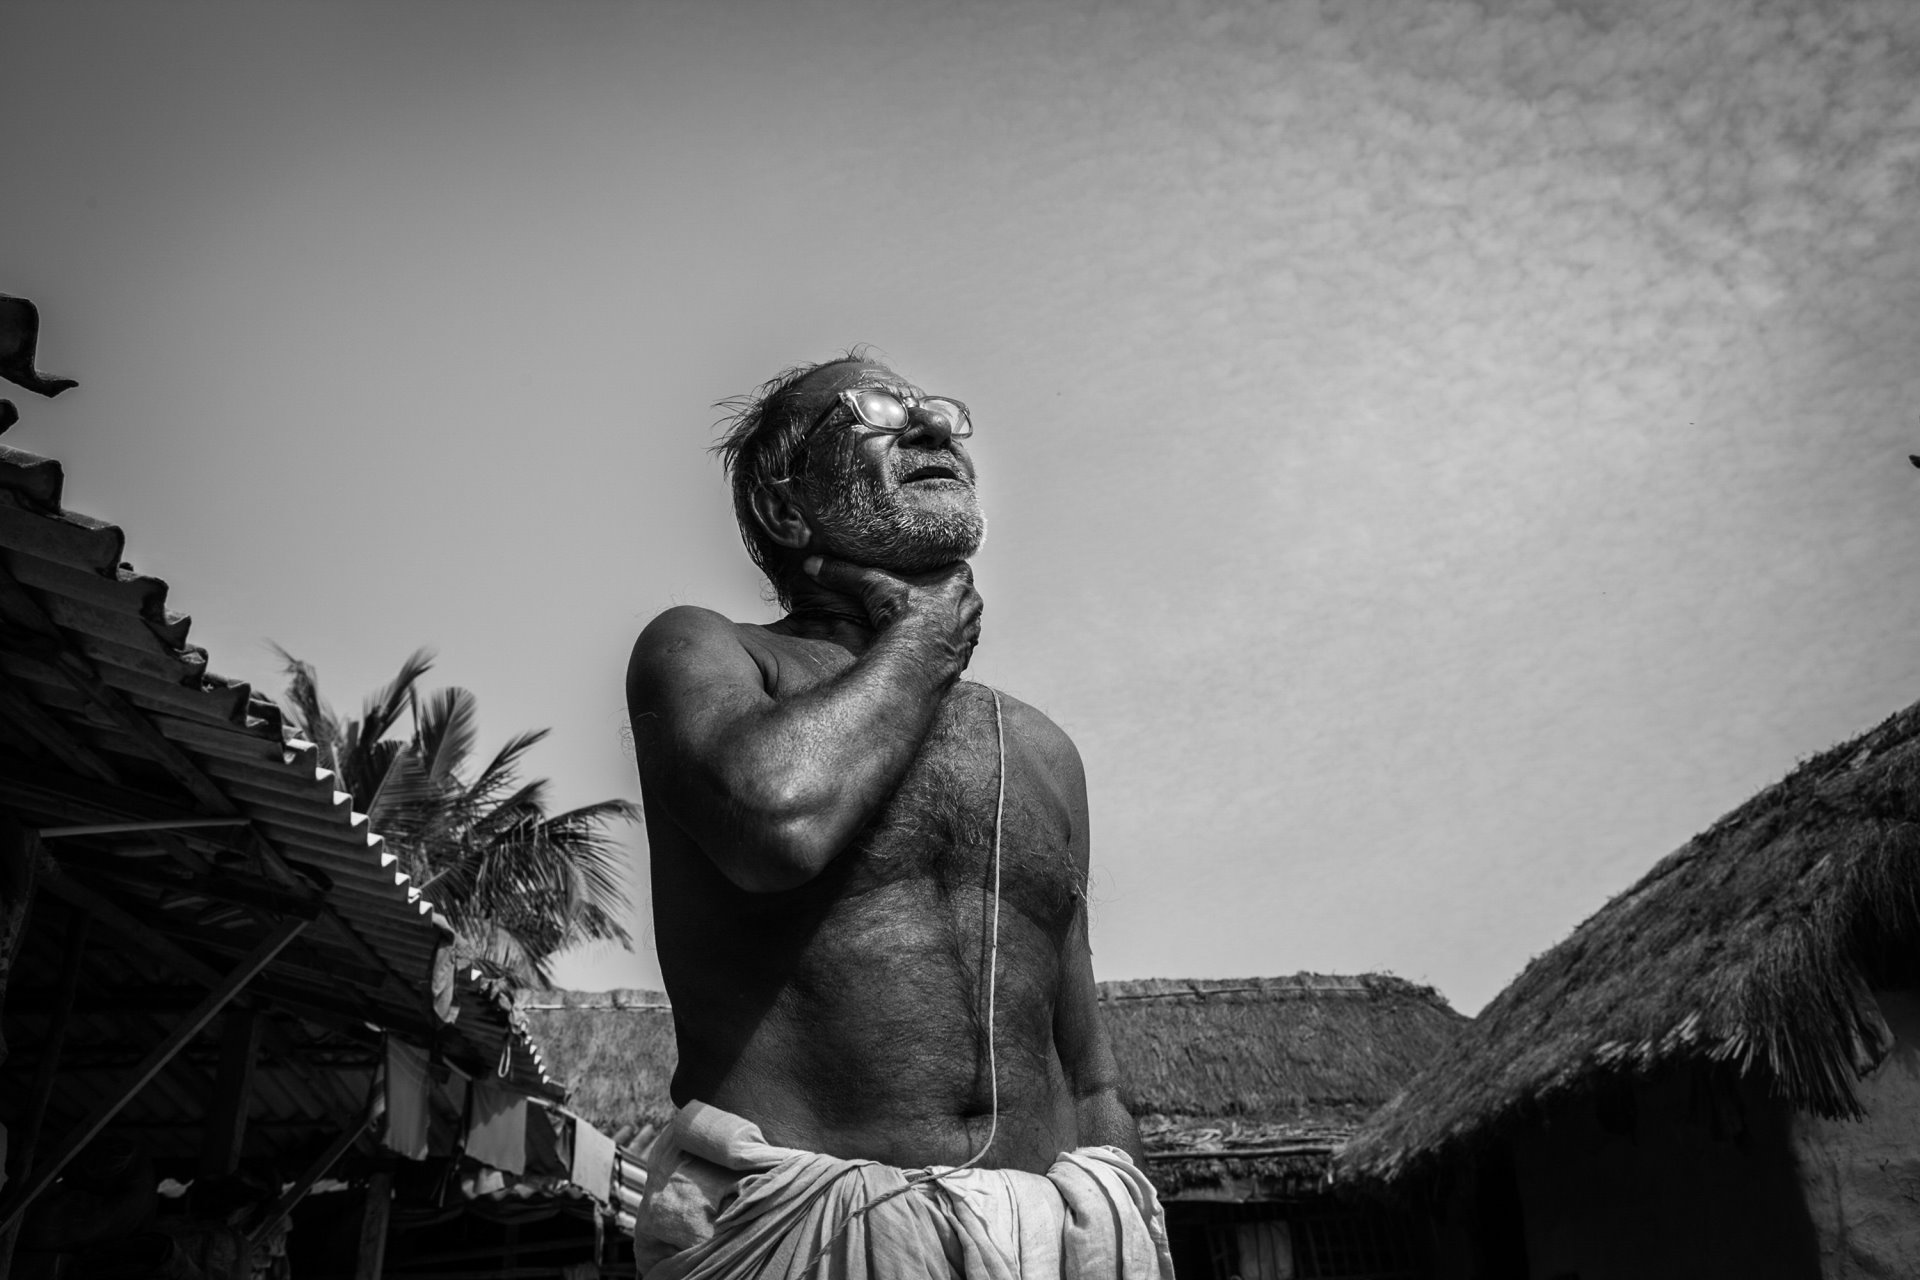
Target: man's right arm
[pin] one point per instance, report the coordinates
(773, 789)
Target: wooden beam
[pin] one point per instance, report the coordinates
(318, 1169)
(225, 1131)
(149, 824)
(373, 1227)
(163, 1053)
(40, 791)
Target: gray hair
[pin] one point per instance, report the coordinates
(761, 443)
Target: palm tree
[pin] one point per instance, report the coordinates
(518, 885)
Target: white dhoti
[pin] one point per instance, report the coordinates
(722, 1204)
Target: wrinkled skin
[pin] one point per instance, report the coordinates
(820, 797)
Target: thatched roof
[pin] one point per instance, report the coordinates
(1262, 1074)
(612, 1050)
(1752, 947)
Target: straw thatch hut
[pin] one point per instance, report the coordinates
(614, 1051)
(1243, 1090)
(1717, 1074)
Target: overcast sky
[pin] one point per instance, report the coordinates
(1439, 456)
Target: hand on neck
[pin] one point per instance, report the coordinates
(823, 613)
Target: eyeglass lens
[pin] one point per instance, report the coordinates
(883, 411)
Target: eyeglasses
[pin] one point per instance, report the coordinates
(886, 411)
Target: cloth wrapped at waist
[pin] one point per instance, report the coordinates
(722, 1202)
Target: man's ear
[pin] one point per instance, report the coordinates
(784, 519)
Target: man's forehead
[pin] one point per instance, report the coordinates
(823, 384)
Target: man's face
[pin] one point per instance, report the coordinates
(902, 501)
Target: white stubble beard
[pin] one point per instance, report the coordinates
(863, 523)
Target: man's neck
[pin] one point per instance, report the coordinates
(819, 614)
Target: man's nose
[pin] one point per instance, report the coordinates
(927, 429)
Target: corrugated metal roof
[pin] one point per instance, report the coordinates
(109, 715)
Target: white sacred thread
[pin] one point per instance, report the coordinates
(924, 1177)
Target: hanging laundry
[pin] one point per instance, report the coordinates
(549, 1142)
(408, 1087)
(497, 1131)
(447, 1126)
(593, 1154)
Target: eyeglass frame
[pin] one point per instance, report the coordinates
(845, 399)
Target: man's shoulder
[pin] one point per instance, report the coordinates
(689, 642)
(679, 627)
(692, 626)
(687, 622)
(685, 635)
(1039, 731)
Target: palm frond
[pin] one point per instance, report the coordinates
(383, 706)
(518, 884)
(501, 770)
(599, 860)
(404, 803)
(448, 725)
(595, 925)
(309, 712)
(528, 805)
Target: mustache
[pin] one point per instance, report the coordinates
(829, 486)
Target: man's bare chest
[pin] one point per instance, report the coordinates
(951, 825)
(939, 831)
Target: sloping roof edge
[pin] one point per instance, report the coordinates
(229, 744)
(1745, 948)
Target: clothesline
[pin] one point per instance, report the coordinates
(491, 1124)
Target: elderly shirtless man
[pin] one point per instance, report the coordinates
(891, 1059)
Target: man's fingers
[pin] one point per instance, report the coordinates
(943, 597)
